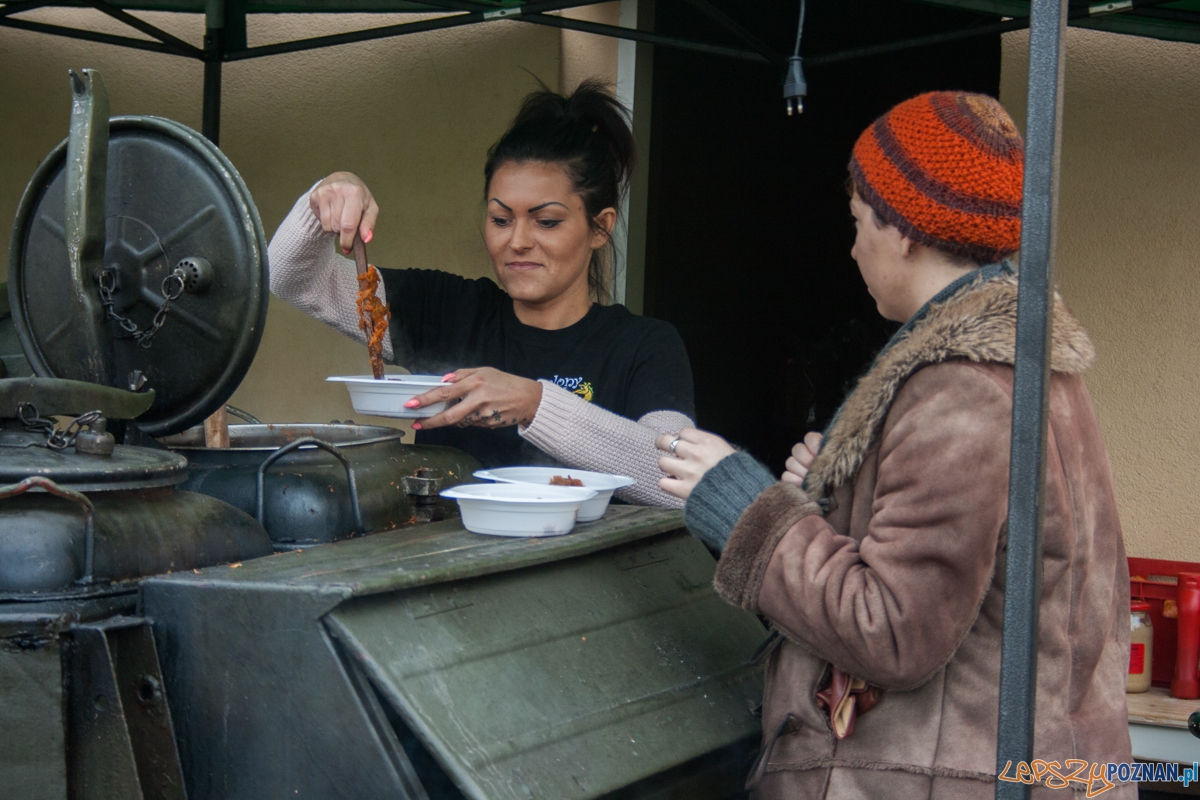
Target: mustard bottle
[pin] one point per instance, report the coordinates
(1141, 647)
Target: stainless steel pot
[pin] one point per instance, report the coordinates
(315, 483)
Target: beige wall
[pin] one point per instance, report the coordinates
(585, 55)
(1129, 264)
(413, 115)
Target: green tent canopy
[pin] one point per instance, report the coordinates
(1176, 20)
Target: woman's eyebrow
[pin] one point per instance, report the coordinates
(497, 202)
(543, 205)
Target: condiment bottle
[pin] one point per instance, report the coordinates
(1187, 651)
(1141, 647)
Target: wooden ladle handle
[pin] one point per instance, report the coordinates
(360, 254)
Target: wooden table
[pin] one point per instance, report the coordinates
(1158, 727)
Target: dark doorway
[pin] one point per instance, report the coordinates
(749, 231)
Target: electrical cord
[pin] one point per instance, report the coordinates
(794, 86)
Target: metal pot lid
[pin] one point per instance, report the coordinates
(27, 447)
(121, 205)
(126, 468)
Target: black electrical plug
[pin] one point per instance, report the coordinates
(794, 87)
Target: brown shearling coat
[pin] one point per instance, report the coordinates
(901, 581)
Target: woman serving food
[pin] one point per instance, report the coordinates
(538, 368)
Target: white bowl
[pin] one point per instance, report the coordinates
(386, 397)
(518, 509)
(602, 482)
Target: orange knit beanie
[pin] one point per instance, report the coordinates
(946, 169)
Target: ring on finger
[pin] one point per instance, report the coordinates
(673, 445)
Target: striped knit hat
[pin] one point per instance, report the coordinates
(946, 169)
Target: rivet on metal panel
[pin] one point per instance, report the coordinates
(149, 690)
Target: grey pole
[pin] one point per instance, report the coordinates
(214, 45)
(1027, 472)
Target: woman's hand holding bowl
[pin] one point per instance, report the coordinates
(482, 397)
(694, 453)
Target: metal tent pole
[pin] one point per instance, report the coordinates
(210, 124)
(1035, 310)
(225, 30)
(214, 34)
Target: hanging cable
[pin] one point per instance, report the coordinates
(794, 86)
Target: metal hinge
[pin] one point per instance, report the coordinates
(1109, 8)
(501, 13)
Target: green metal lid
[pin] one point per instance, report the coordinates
(23, 450)
(126, 468)
(131, 201)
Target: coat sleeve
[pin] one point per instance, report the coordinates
(892, 607)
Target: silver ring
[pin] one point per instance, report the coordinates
(673, 445)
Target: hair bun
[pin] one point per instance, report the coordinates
(560, 129)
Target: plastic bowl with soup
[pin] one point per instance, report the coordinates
(518, 509)
(601, 482)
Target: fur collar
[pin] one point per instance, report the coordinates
(977, 324)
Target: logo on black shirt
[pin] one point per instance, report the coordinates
(576, 386)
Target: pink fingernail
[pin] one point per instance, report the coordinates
(448, 376)
(345, 252)
(370, 235)
(416, 426)
(412, 403)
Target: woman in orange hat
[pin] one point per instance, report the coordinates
(879, 558)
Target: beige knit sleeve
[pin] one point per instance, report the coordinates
(308, 273)
(586, 436)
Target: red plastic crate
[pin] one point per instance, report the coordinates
(1158, 583)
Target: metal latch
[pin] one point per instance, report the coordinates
(87, 433)
(422, 488)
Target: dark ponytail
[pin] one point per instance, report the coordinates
(588, 135)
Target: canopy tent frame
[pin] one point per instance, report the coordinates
(225, 40)
(1174, 20)
(225, 28)
(225, 31)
